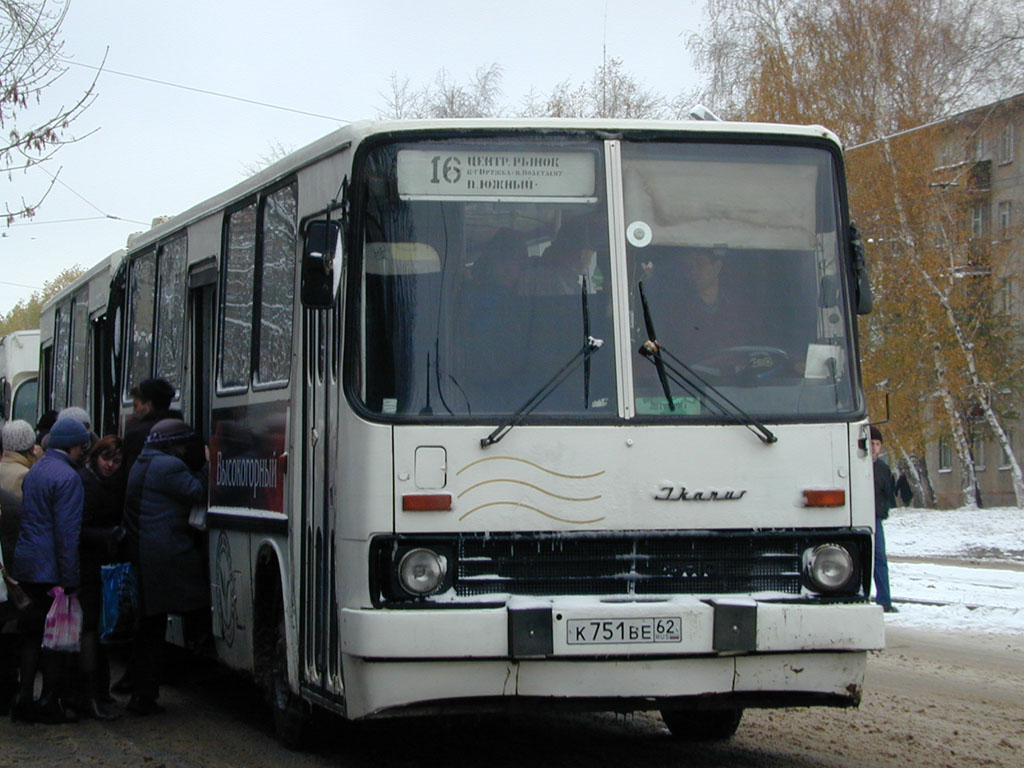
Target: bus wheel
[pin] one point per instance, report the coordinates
(702, 725)
(292, 716)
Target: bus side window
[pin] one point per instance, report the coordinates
(237, 300)
(276, 303)
(142, 288)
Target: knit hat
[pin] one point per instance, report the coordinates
(168, 432)
(18, 435)
(76, 413)
(876, 434)
(67, 433)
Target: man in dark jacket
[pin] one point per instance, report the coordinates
(158, 500)
(885, 499)
(46, 556)
(151, 402)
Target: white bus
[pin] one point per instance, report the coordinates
(19, 374)
(454, 467)
(74, 344)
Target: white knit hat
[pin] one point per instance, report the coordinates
(78, 414)
(18, 435)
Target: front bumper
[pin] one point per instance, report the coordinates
(757, 653)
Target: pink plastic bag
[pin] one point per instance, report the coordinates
(63, 629)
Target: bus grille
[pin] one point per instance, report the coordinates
(644, 564)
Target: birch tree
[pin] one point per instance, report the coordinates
(611, 91)
(445, 96)
(865, 68)
(872, 69)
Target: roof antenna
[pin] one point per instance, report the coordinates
(604, 64)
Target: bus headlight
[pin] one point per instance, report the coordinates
(421, 571)
(828, 567)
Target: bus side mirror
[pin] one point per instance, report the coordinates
(319, 248)
(862, 285)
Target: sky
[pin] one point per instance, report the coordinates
(146, 150)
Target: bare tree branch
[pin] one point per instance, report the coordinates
(31, 53)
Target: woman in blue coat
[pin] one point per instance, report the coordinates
(46, 556)
(161, 492)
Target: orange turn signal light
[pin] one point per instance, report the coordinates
(426, 502)
(835, 497)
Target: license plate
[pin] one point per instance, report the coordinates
(650, 629)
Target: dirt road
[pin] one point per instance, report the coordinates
(931, 700)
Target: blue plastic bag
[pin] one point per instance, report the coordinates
(120, 616)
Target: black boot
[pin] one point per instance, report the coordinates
(89, 707)
(23, 710)
(124, 684)
(52, 711)
(143, 706)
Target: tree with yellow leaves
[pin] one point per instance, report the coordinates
(876, 71)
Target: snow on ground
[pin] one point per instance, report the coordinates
(956, 597)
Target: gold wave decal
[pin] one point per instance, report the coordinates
(530, 463)
(533, 509)
(529, 485)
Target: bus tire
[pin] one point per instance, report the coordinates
(702, 725)
(291, 720)
(292, 716)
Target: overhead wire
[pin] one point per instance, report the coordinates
(72, 190)
(205, 91)
(107, 70)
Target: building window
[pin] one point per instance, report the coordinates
(1004, 299)
(945, 455)
(1006, 144)
(1005, 213)
(979, 219)
(978, 452)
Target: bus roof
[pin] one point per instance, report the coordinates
(355, 133)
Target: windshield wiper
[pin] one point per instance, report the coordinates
(651, 349)
(714, 397)
(586, 336)
(694, 383)
(590, 345)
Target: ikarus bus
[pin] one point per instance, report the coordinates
(520, 414)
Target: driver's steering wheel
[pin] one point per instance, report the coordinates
(745, 365)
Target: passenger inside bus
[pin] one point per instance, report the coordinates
(568, 262)
(492, 320)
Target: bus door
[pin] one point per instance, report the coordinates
(320, 652)
(202, 285)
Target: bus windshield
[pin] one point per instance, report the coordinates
(487, 265)
(737, 249)
(485, 268)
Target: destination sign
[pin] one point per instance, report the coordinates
(470, 175)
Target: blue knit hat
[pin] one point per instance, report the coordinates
(67, 433)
